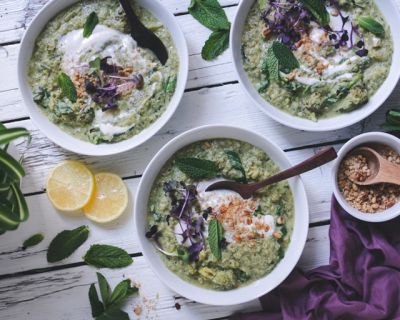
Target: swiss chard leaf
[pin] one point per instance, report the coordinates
(106, 256)
(21, 207)
(197, 168)
(11, 166)
(32, 241)
(236, 163)
(8, 135)
(216, 44)
(66, 242)
(67, 87)
(318, 10)
(210, 14)
(215, 235)
(91, 22)
(371, 25)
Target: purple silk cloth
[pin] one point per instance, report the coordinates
(362, 280)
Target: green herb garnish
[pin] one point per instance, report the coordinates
(318, 10)
(32, 241)
(197, 168)
(210, 14)
(215, 236)
(236, 163)
(67, 87)
(66, 242)
(91, 22)
(94, 65)
(109, 308)
(392, 120)
(106, 256)
(371, 25)
(258, 212)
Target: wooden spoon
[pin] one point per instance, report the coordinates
(247, 190)
(143, 36)
(382, 170)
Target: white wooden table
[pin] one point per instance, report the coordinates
(30, 288)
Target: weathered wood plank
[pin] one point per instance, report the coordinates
(15, 15)
(63, 294)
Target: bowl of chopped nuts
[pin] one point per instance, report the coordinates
(373, 203)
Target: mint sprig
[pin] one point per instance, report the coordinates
(215, 236)
(32, 241)
(371, 25)
(210, 14)
(67, 87)
(197, 168)
(318, 10)
(91, 21)
(106, 256)
(109, 308)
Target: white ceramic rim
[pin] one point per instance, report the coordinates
(390, 10)
(370, 137)
(257, 288)
(63, 139)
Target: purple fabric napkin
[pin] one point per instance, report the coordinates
(362, 280)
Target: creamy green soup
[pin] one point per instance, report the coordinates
(182, 216)
(341, 65)
(121, 88)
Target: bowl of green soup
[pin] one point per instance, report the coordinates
(317, 65)
(88, 85)
(216, 247)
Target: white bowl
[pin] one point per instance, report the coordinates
(257, 288)
(366, 138)
(62, 138)
(390, 10)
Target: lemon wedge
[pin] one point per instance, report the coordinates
(110, 198)
(70, 186)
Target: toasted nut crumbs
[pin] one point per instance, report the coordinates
(368, 199)
(137, 310)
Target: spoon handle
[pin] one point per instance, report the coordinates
(320, 158)
(134, 21)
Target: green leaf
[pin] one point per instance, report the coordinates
(393, 117)
(106, 256)
(94, 65)
(33, 241)
(279, 58)
(169, 85)
(67, 87)
(122, 291)
(113, 314)
(258, 212)
(216, 44)
(197, 168)
(7, 217)
(318, 10)
(19, 200)
(66, 242)
(236, 163)
(91, 22)
(95, 304)
(8, 135)
(210, 14)
(371, 25)
(215, 235)
(105, 289)
(11, 166)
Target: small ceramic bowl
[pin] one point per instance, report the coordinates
(257, 288)
(63, 139)
(366, 138)
(390, 10)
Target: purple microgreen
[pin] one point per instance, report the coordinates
(362, 52)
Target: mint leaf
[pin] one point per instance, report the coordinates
(216, 44)
(197, 168)
(95, 303)
(91, 22)
(33, 241)
(371, 25)
(271, 65)
(236, 163)
(114, 314)
(106, 256)
(393, 117)
(215, 235)
(318, 10)
(94, 65)
(66, 242)
(279, 58)
(67, 87)
(122, 291)
(210, 14)
(104, 289)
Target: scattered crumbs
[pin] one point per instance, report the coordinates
(137, 310)
(177, 306)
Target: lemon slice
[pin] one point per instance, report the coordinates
(70, 186)
(110, 198)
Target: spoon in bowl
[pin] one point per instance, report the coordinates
(382, 170)
(144, 37)
(247, 190)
